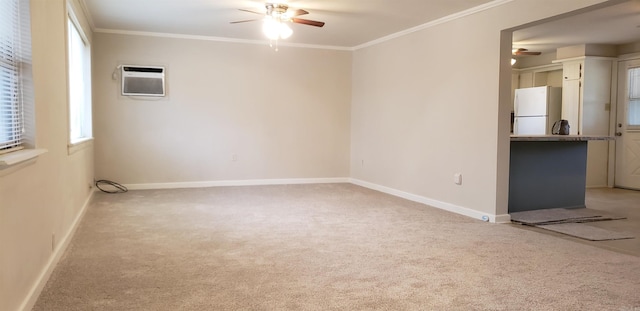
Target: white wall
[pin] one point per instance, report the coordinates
(285, 114)
(45, 197)
(424, 108)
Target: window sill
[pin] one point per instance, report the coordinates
(79, 145)
(19, 159)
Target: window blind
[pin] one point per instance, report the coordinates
(633, 113)
(11, 112)
(79, 81)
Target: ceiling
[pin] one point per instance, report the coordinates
(615, 24)
(350, 23)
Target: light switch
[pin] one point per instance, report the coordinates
(457, 178)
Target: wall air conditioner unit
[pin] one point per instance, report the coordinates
(142, 81)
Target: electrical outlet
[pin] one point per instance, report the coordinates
(457, 178)
(53, 242)
(234, 157)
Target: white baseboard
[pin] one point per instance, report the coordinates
(597, 186)
(42, 279)
(261, 182)
(227, 183)
(435, 203)
(502, 219)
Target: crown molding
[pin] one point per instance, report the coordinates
(218, 39)
(433, 23)
(87, 14)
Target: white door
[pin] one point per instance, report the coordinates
(628, 126)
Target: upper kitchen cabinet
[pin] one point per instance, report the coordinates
(525, 79)
(572, 70)
(586, 87)
(546, 76)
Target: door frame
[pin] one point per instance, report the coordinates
(613, 117)
(615, 105)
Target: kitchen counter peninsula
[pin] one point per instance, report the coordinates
(548, 171)
(558, 137)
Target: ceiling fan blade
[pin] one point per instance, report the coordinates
(298, 12)
(307, 22)
(254, 12)
(527, 53)
(244, 21)
(522, 51)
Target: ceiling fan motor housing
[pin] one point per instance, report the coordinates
(277, 10)
(280, 13)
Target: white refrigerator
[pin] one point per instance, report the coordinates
(535, 110)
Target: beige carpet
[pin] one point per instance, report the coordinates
(321, 247)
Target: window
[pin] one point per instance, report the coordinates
(13, 49)
(79, 71)
(633, 113)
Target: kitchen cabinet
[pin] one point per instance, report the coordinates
(572, 70)
(586, 97)
(571, 104)
(548, 75)
(586, 94)
(526, 80)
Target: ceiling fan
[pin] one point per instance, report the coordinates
(281, 13)
(521, 51)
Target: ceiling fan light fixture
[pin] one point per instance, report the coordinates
(285, 31)
(276, 21)
(271, 28)
(275, 29)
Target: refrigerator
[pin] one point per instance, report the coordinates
(535, 109)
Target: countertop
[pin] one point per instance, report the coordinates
(559, 137)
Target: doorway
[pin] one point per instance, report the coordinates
(627, 169)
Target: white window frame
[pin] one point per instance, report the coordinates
(633, 97)
(78, 85)
(11, 63)
(24, 152)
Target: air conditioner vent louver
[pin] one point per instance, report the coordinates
(143, 81)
